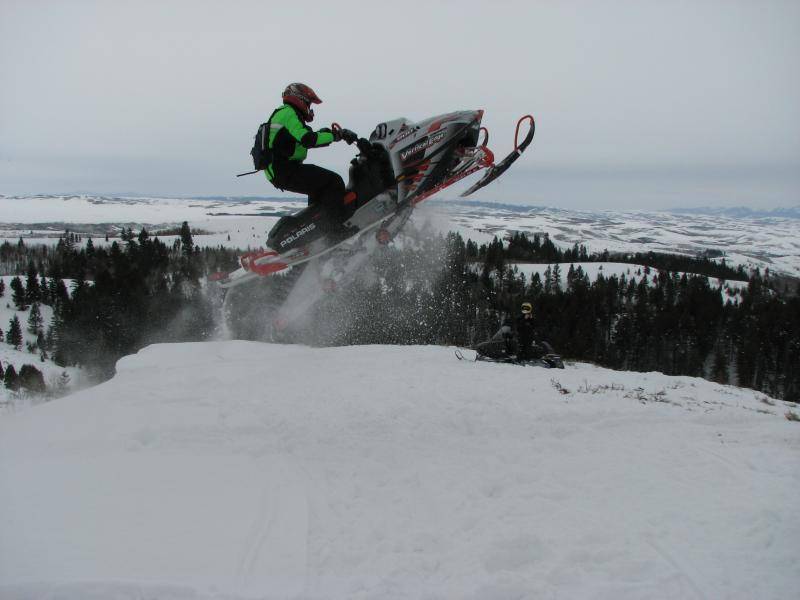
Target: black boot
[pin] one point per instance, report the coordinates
(334, 227)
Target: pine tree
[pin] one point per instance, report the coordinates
(31, 379)
(14, 335)
(187, 244)
(571, 276)
(556, 285)
(10, 378)
(61, 294)
(44, 290)
(50, 338)
(32, 289)
(2, 373)
(69, 241)
(535, 289)
(719, 369)
(2, 288)
(41, 342)
(18, 294)
(35, 320)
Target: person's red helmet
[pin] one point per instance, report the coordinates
(301, 97)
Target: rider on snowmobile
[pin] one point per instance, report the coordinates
(519, 335)
(290, 139)
(525, 331)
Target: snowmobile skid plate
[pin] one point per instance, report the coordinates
(268, 262)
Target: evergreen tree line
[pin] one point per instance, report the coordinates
(441, 290)
(69, 258)
(29, 378)
(540, 249)
(122, 297)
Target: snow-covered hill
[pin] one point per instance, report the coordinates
(729, 290)
(748, 239)
(239, 470)
(772, 243)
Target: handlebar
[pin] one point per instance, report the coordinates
(337, 129)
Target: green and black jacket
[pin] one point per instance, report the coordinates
(290, 138)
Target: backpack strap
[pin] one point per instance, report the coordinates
(265, 140)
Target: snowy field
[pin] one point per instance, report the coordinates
(762, 242)
(239, 224)
(244, 470)
(772, 243)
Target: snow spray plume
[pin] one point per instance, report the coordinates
(190, 319)
(393, 298)
(250, 311)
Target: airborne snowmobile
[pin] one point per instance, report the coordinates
(400, 165)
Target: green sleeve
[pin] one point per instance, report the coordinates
(324, 138)
(304, 134)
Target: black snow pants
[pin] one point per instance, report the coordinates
(323, 187)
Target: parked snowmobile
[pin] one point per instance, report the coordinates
(541, 354)
(402, 164)
(499, 351)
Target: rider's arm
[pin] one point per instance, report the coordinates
(305, 135)
(504, 332)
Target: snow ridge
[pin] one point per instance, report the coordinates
(244, 470)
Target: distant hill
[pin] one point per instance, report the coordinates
(746, 236)
(741, 212)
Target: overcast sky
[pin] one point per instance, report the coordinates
(638, 104)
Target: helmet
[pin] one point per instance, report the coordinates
(526, 308)
(301, 97)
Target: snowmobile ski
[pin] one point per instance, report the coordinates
(497, 170)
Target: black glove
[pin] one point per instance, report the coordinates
(348, 136)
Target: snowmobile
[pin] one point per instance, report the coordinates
(400, 165)
(502, 352)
